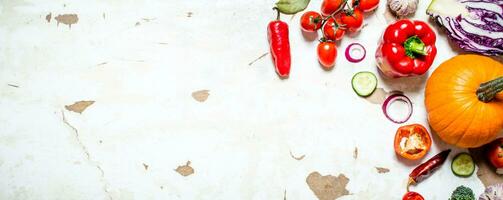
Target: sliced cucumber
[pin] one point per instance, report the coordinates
(463, 165)
(364, 83)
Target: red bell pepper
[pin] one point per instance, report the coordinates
(407, 48)
(412, 141)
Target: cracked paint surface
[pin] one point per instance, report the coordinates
(142, 79)
(88, 155)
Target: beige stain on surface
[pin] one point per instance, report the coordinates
(378, 97)
(185, 170)
(327, 187)
(67, 19)
(382, 170)
(48, 17)
(355, 153)
(79, 106)
(201, 95)
(145, 166)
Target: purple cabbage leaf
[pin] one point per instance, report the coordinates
(475, 25)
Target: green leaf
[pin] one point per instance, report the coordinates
(291, 6)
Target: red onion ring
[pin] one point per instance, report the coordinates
(352, 47)
(397, 97)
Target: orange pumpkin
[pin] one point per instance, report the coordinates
(464, 100)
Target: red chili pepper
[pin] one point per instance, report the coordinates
(427, 168)
(277, 34)
(407, 49)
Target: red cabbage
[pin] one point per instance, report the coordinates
(475, 25)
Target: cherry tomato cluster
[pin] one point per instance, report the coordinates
(336, 18)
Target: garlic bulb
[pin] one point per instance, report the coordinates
(403, 7)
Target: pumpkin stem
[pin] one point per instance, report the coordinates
(488, 90)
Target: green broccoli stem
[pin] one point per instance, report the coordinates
(413, 45)
(488, 90)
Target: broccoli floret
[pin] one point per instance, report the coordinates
(462, 193)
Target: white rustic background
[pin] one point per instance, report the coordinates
(141, 60)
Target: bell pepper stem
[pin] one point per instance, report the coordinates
(413, 45)
(488, 90)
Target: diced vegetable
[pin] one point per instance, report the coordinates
(463, 165)
(364, 83)
(475, 25)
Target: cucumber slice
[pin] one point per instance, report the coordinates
(364, 83)
(463, 165)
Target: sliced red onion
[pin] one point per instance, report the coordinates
(355, 48)
(397, 97)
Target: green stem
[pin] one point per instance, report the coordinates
(413, 45)
(488, 90)
(277, 14)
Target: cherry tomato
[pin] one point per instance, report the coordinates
(328, 7)
(366, 5)
(495, 154)
(412, 196)
(327, 52)
(310, 21)
(412, 141)
(353, 20)
(332, 29)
